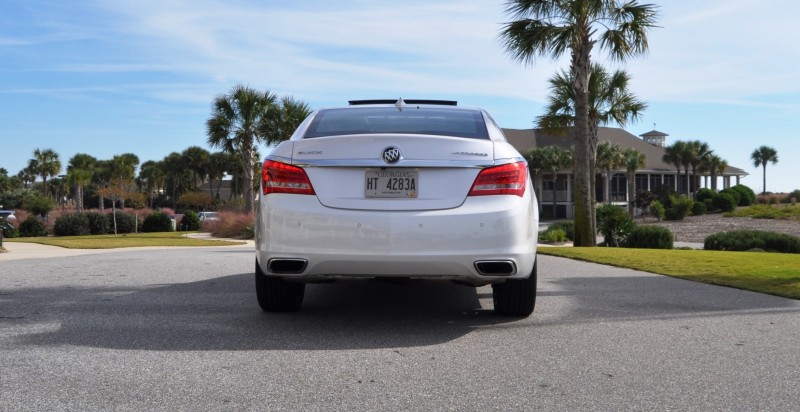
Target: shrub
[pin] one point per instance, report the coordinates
(725, 202)
(650, 237)
(567, 226)
(157, 222)
(657, 210)
(699, 208)
(743, 240)
(71, 224)
(681, 205)
(232, 225)
(126, 223)
(746, 195)
(737, 197)
(710, 205)
(98, 223)
(705, 193)
(32, 227)
(614, 223)
(553, 236)
(792, 197)
(190, 221)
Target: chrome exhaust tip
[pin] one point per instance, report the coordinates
(287, 266)
(496, 267)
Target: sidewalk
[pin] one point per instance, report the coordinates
(22, 250)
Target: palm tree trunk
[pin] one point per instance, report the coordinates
(583, 208)
(763, 192)
(248, 175)
(631, 192)
(555, 181)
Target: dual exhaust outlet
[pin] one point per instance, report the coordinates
(290, 266)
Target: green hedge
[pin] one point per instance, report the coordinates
(190, 221)
(71, 224)
(650, 237)
(157, 222)
(744, 240)
(32, 227)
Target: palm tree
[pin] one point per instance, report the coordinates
(218, 165)
(554, 159)
(762, 156)
(673, 154)
(239, 121)
(697, 154)
(609, 159)
(196, 159)
(151, 178)
(633, 160)
(46, 164)
(80, 171)
(554, 27)
(284, 119)
(536, 165)
(609, 101)
(716, 166)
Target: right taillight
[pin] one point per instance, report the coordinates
(277, 177)
(507, 179)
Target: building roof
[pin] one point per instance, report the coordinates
(526, 139)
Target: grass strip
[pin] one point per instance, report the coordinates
(772, 273)
(761, 211)
(126, 240)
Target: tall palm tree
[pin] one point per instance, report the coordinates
(284, 118)
(80, 171)
(762, 156)
(697, 154)
(196, 159)
(239, 121)
(633, 160)
(716, 166)
(673, 154)
(554, 27)
(46, 164)
(610, 100)
(151, 178)
(609, 159)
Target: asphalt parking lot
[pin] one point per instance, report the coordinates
(179, 329)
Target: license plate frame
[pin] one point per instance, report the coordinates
(395, 183)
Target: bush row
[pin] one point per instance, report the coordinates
(744, 240)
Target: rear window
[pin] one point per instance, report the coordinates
(411, 120)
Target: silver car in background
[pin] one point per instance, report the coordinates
(412, 189)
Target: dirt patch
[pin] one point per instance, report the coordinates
(695, 229)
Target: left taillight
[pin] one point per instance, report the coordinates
(277, 177)
(507, 179)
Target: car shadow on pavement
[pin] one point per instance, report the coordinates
(222, 314)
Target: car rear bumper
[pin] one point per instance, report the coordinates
(443, 244)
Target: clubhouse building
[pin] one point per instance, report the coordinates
(654, 174)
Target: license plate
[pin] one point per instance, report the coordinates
(391, 183)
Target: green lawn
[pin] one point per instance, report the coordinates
(773, 273)
(127, 240)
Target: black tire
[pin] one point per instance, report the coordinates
(276, 294)
(515, 297)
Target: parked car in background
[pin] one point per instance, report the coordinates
(8, 214)
(410, 189)
(207, 216)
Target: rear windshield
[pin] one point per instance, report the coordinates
(411, 120)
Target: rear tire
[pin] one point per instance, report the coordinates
(515, 297)
(275, 294)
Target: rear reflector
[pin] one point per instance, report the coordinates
(507, 179)
(277, 177)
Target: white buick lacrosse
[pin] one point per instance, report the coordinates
(415, 189)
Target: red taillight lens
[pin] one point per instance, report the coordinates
(508, 179)
(277, 177)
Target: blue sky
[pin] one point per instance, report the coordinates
(110, 77)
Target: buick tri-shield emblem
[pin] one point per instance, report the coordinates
(391, 155)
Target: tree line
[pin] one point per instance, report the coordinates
(240, 121)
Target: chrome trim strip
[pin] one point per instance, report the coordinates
(478, 164)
